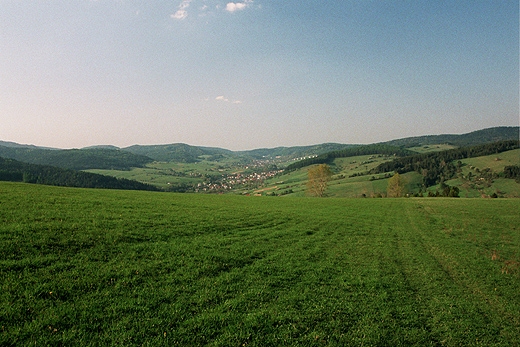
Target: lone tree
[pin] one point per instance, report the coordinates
(319, 176)
(395, 187)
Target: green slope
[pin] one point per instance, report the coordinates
(15, 171)
(295, 151)
(76, 159)
(474, 138)
(178, 152)
(367, 176)
(89, 268)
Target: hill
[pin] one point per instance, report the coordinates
(180, 152)
(15, 171)
(110, 157)
(102, 147)
(295, 151)
(478, 171)
(184, 168)
(350, 152)
(474, 138)
(16, 145)
(177, 152)
(437, 167)
(76, 159)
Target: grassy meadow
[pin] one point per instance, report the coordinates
(162, 174)
(82, 267)
(432, 148)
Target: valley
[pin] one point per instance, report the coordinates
(357, 170)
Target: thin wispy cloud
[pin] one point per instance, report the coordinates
(203, 8)
(222, 98)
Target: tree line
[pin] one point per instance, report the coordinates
(16, 171)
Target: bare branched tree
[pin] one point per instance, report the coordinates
(319, 176)
(395, 187)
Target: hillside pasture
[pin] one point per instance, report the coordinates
(349, 179)
(480, 177)
(495, 162)
(161, 178)
(503, 188)
(164, 174)
(472, 186)
(432, 148)
(370, 186)
(83, 267)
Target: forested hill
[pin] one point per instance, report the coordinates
(295, 151)
(15, 171)
(76, 159)
(177, 152)
(438, 167)
(17, 145)
(474, 138)
(350, 152)
(113, 158)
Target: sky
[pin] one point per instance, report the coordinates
(254, 73)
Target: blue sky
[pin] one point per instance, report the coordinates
(254, 73)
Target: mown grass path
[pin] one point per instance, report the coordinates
(95, 268)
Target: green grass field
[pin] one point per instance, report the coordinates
(496, 162)
(163, 174)
(432, 148)
(85, 267)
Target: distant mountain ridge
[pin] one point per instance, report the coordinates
(179, 152)
(296, 151)
(473, 138)
(112, 157)
(18, 145)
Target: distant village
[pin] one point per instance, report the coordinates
(249, 180)
(235, 180)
